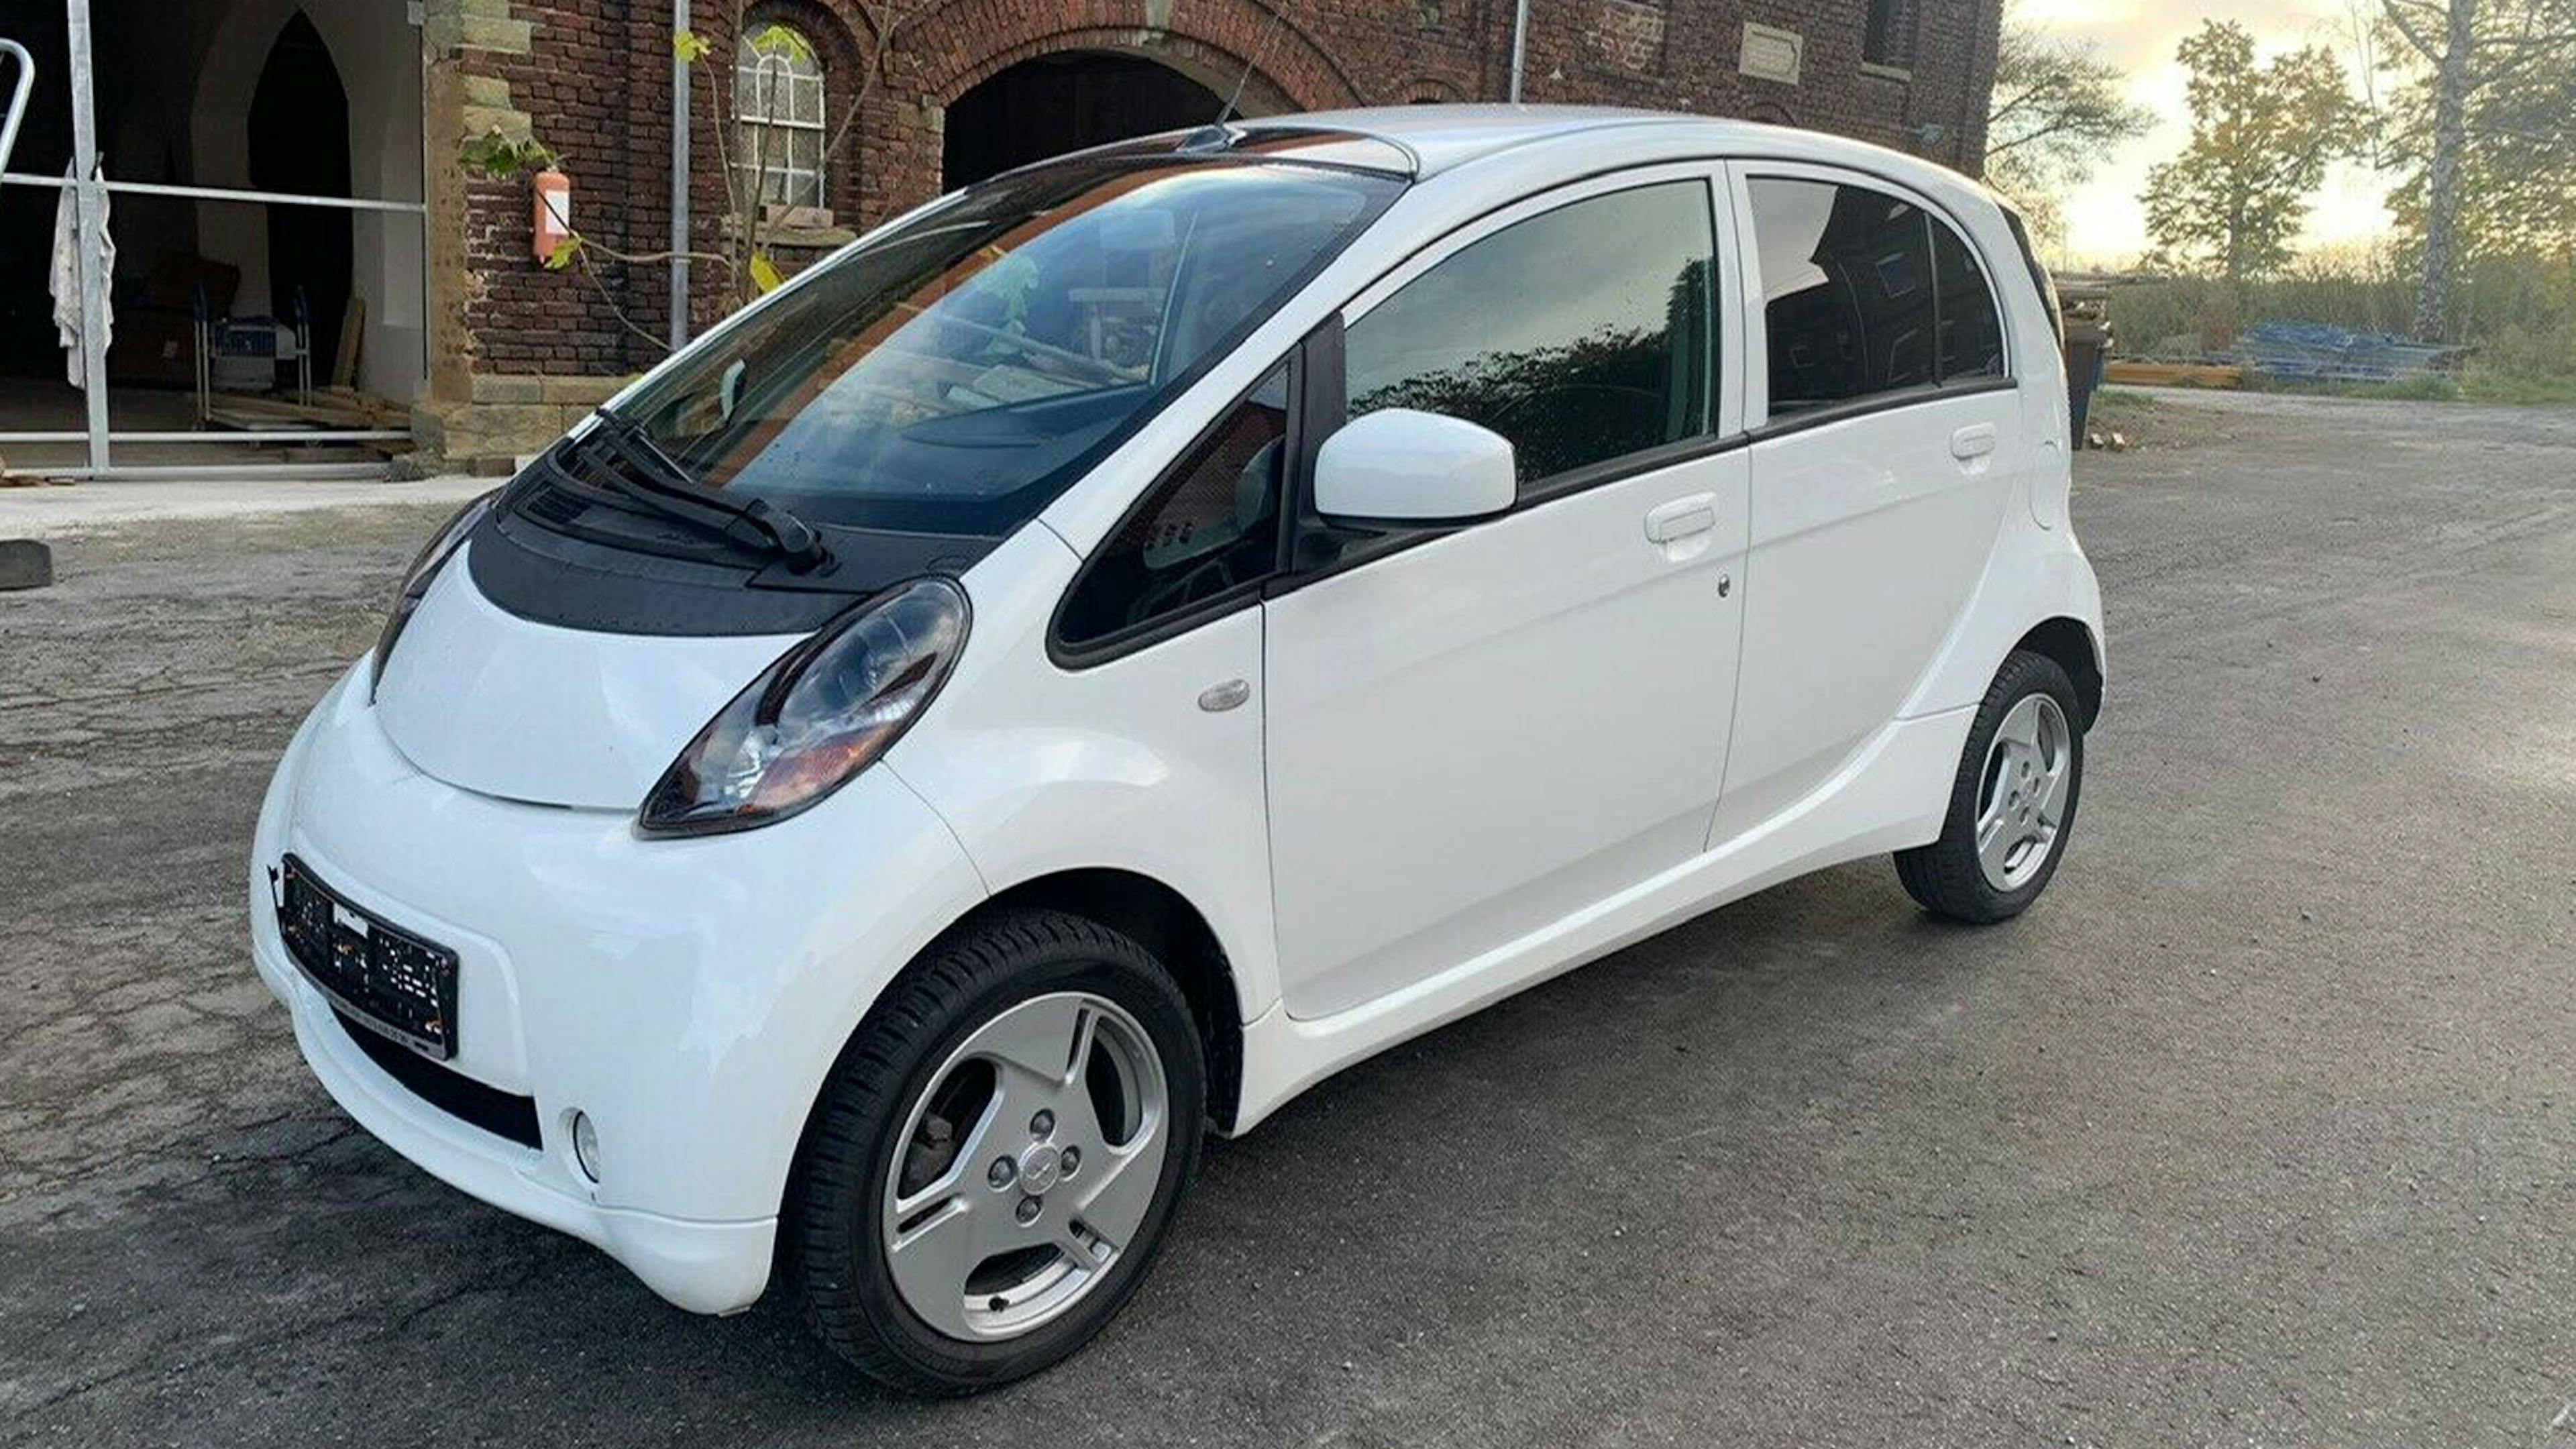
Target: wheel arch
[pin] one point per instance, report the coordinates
(1137, 906)
(1166, 923)
(1154, 916)
(2071, 644)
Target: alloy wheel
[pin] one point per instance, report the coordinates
(2021, 801)
(1028, 1167)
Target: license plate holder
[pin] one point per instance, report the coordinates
(386, 979)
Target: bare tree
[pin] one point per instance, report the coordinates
(2055, 113)
(2364, 31)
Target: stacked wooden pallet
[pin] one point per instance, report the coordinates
(332, 409)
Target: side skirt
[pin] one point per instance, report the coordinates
(1891, 796)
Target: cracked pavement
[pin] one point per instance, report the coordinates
(2255, 1131)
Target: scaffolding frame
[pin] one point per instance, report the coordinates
(90, 192)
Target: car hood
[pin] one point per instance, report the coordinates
(490, 702)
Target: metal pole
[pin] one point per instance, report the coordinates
(90, 203)
(24, 86)
(224, 193)
(679, 180)
(1520, 46)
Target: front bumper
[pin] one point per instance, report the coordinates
(690, 996)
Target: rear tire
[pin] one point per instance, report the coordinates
(2012, 804)
(951, 1076)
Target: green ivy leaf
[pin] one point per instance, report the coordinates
(688, 46)
(776, 39)
(497, 157)
(565, 250)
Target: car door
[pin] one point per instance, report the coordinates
(1887, 442)
(1475, 733)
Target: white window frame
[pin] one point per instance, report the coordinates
(762, 79)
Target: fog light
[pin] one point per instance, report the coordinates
(585, 1145)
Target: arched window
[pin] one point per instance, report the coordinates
(778, 114)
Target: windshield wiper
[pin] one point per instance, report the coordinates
(650, 477)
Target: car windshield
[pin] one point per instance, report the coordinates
(955, 375)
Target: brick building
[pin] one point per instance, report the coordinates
(493, 351)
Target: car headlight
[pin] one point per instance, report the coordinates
(818, 716)
(422, 573)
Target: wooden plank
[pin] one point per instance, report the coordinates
(353, 328)
(2129, 372)
(344, 411)
(385, 411)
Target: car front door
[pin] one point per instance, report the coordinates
(1887, 443)
(1475, 733)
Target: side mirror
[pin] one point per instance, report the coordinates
(1402, 466)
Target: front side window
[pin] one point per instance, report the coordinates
(1582, 334)
(955, 375)
(779, 115)
(1209, 529)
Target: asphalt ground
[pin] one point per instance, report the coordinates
(2254, 1132)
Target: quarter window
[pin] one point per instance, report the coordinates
(1582, 335)
(1972, 336)
(1209, 529)
(1865, 295)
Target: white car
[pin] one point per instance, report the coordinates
(1140, 634)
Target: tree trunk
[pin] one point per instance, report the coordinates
(2234, 264)
(2451, 79)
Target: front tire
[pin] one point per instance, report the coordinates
(2012, 805)
(996, 1159)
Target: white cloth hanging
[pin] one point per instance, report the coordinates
(66, 278)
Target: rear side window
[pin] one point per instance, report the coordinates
(1210, 528)
(1864, 295)
(1582, 334)
(1846, 292)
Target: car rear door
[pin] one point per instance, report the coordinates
(1887, 443)
(1477, 732)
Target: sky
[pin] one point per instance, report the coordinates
(2106, 222)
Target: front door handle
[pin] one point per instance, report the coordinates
(1681, 518)
(1974, 441)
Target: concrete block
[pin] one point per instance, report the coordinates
(445, 33)
(25, 564)
(496, 430)
(579, 392)
(492, 387)
(475, 122)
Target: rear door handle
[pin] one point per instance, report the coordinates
(1973, 441)
(1681, 518)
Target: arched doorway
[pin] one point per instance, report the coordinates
(1064, 102)
(299, 142)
